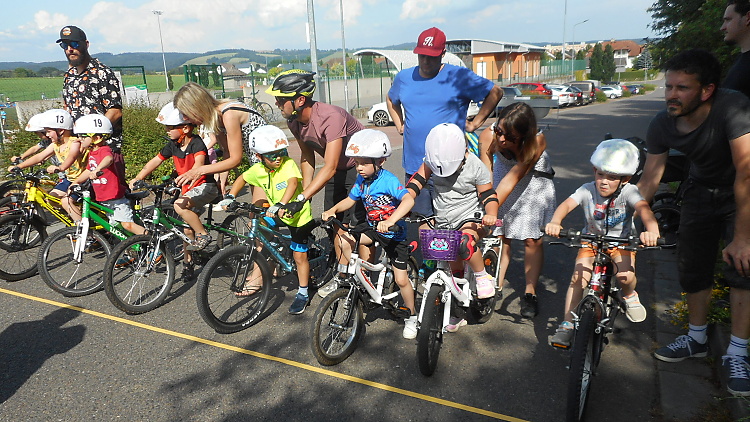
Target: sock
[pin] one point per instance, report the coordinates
(478, 274)
(698, 333)
(737, 346)
(303, 290)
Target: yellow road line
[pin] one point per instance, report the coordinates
(306, 367)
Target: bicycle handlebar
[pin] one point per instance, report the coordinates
(357, 229)
(632, 242)
(420, 219)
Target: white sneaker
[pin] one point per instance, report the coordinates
(635, 311)
(218, 208)
(329, 288)
(410, 327)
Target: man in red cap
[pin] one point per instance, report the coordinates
(91, 87)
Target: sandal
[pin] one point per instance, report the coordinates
(200, 242)
(249, 290)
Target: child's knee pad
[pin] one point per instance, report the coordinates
(467, 247)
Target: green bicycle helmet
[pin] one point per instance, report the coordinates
(292, 83)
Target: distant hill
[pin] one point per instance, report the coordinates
(152, 62)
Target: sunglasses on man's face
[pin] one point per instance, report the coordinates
(74, 44)
(273, 155)
(508, 138)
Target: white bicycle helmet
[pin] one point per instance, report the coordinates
(369, 143)
(56, 118)
(445, 149)
(268, 138)
(171, 116)
(34, 124)
(93, 123)
(618, 157)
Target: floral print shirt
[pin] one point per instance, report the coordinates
(95, 90)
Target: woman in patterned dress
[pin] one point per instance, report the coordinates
(514, 150)
(231, 121)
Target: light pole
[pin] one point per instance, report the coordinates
(161, 41)
(343, 53)
(565, 20)
(572, 62)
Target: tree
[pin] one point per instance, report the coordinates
(644, 60)
(215, 76)
(581, 54)
(48, 71)
(22, 72)
(689, 24)
(558, 55)
(608, 63)
(203, 76)
(596, 63)
(170, 82)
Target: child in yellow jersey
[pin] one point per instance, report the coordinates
(58, 127)
(280, 180)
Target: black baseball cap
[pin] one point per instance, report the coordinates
(72, 33)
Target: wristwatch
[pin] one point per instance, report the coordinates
(300, 198)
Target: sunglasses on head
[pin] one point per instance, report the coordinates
(508, 138)
(273, 155)
(65, 44)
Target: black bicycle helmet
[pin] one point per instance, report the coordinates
(292, 83)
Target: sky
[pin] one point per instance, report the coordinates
(29, 29)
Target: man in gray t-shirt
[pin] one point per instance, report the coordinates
(711, 127)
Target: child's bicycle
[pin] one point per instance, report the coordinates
(595, 315)
(444, 293)
(139, 273)
(71, 260)
(339, 322)
(222, 281)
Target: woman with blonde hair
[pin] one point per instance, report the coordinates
(231, 122)
(514, 150)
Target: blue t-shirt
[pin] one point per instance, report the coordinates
(380, 196)
(430, 102)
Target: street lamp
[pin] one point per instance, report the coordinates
(565, 20)
(343, 53)
(572, 62)
(161, 41)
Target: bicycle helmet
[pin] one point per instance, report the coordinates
(445, 149)
(268, 138)
(93, 123)
(34, 124)
(369, 143)
(170, 115)
(56, 118)
(292, 83)
(618, 157)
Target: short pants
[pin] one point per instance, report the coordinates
(122, 211)
(201, 195)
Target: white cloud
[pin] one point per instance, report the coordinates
(415, 9)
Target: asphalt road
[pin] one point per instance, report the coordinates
(67, 359)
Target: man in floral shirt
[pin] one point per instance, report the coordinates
(91, 87)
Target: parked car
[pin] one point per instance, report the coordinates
(379, 116)
(511, 95)
(564, 95)
(538, 88)
(611, 91)
(588, 88)
(634, 88)
(578, 95)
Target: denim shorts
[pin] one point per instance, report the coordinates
(706, 218)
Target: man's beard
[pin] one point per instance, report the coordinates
(83, 57)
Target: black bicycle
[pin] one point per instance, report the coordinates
(595, 315)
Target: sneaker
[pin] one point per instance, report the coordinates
(330, 287)
(124, 260)
(634, 311)
(738, 368)
(217, 208)
(454, 323)
(300, 303)
(485, 286)
(188, 272)
(158, 258)
(563, 336)
(410, 327)
(200, 242)
(682, 348)
(529, 306)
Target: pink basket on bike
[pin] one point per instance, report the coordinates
(440, 245)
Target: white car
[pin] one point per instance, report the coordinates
(565, 95)
(378, 113)
(612, 91)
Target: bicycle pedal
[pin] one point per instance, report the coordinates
(403, 312)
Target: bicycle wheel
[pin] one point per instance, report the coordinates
(66, 275)
(223, 277)
(266, 111)
(321, 256)
(582, 365)
(20, 239)
(668, 216)
(491, 262)
(237, 223)
(137, 277)
(430, 335)
(11, 187)
(7, 204)
(338, 326)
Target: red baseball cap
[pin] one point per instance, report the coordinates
(431, 43)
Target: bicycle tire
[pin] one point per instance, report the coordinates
(665, 197)
(338, 327)
(20, 239)
(62, 273)
(668, 217)
(135, 285)
(7, 204)
(321, 256)
(219, 281)
(430, 334)
(412, 270)
(491, 262)
(265, 110)
(582, 365)
(237, 223)
(10, 187)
